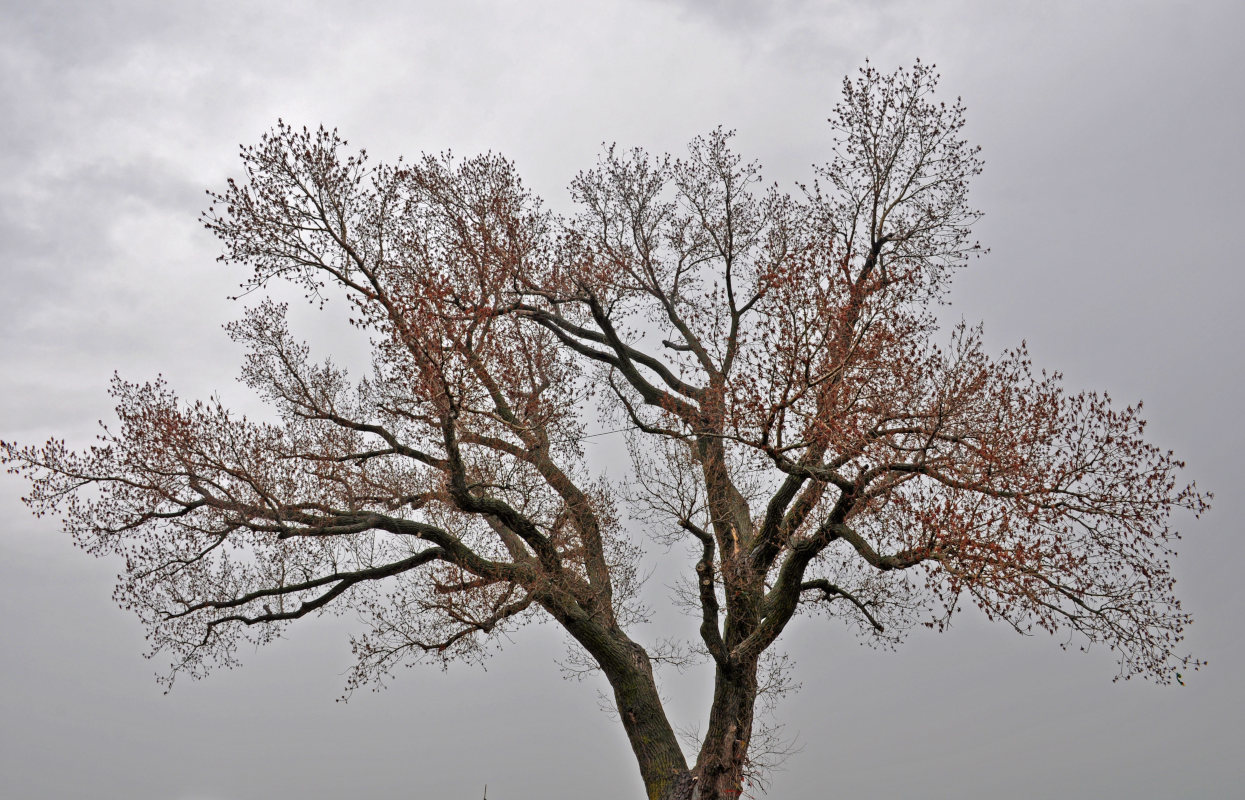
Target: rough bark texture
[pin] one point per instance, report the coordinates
(720, 765)
(654, 743)
(629, 671)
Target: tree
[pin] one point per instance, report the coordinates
(771, 358)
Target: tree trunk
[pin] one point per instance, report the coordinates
(630, 674)
(656, 748)
(720, 766)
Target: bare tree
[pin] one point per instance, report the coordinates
(794, 413)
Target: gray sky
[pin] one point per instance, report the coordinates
(1111, 133)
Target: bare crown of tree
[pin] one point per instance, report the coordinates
(794, 415)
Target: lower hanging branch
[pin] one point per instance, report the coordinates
(831, 592)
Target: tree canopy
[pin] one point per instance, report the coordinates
(794, 414)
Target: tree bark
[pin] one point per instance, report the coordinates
(630, 673)
(657, 752)
(720, 765)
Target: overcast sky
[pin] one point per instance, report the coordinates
(1112, 137)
